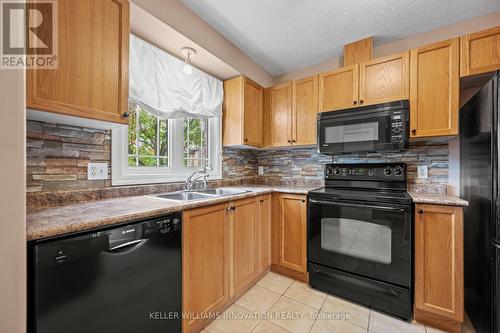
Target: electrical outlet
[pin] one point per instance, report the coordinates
(97, 171)
(422, 171)
(261, 170)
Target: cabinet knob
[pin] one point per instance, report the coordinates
(246, 139)
(413, 131)
(294, 140)
(125, 114)
(354, 102)
(361, 101)
(420, 211)
(261, 201)
(289, 141)
(303, 200)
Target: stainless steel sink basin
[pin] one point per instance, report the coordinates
(222, 191)
(201, 194)
(186, 196)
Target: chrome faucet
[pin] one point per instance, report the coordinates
(197, 175)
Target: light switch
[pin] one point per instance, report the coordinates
(97, 171)
(422, 171)
(261, 170)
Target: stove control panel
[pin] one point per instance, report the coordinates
(385, 172)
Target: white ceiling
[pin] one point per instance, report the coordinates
(286, 35)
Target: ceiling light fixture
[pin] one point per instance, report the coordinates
(188, 52)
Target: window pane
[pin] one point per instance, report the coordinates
(132, 128)
(163, 140)
(132, 161)
(147, 161)
(147, 133)
(163, 161)
(195, 142)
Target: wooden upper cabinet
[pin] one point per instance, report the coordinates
(305, 111)
(243, 252)
(252, 132)
(242, 113)
(384, 79)
(293, 232)
(439, 264)
(205, 267)
(480, 52)
(434, 89)
(338, 89)
(280, 122)
(91, 80)
(358, 51)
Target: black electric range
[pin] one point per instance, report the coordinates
(360, 236)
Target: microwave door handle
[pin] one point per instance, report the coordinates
(329, 203)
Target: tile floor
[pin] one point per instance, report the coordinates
(278, 304)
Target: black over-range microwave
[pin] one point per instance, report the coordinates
(373, 128)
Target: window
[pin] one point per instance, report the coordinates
(152, 150)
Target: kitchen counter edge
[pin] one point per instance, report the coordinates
(49, 222)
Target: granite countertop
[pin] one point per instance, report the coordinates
(437, 199)
(59, 220)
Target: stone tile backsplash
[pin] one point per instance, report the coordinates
(57, 158)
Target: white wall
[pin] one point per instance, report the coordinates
(12, 202)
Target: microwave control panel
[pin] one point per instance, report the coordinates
(397, 128)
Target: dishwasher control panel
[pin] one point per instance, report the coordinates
(168, 224)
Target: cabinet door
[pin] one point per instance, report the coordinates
(305, 111)
(91, 80)
(264, 233)
(384, 79)
(253, 114)
(434, 89)
(243, 245)
(439, 260)
(293, 233)
(480, 52)
(338, 89)
(205, 263)
(281, 115)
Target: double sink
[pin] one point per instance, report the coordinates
(201, 194)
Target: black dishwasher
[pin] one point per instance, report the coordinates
(117, 280)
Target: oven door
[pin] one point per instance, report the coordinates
(372, 240)
(363, 131)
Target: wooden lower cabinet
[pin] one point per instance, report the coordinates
(205, 262)
(439, 271)
(226, 250)
(289, 232)
(264, 233)
(243, 248)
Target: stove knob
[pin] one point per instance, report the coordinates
(397, 130)
(336, 172)
(329, 171)
(387, 172)
(398, 171)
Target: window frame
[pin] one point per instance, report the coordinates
(123, 174)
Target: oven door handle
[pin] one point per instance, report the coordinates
(330, 203)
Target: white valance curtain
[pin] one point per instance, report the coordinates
(157, 83)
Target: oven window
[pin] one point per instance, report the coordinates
(352, 133)
(359, 239)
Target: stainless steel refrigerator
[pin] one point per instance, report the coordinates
(479, 151)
